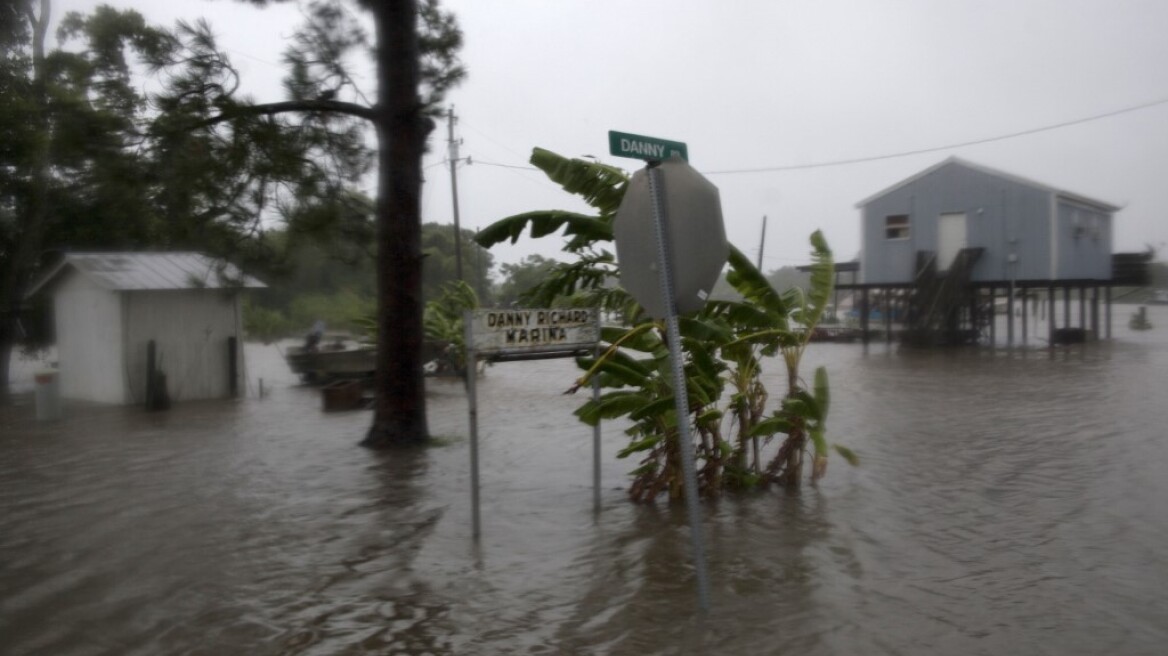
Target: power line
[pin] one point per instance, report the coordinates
(492, 139)
(906, 153)
(1012, 135)
(505, 166)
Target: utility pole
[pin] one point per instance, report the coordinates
(454, 191)
(761, 243)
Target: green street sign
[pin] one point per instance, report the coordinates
(638, 146)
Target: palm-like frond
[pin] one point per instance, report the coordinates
(822, 283)
(586, 228)
(600, 185)
(747, 280)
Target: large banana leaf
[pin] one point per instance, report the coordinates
(747, 280)
(600, 185)
(612, 405)
(822, 283)
(545, 222)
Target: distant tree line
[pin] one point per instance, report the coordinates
(335, 282)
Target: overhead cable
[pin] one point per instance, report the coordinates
(874, 158)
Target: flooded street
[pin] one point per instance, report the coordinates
(1008, 502)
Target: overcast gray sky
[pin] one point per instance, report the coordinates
(774, 84)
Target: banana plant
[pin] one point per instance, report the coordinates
(726, 345)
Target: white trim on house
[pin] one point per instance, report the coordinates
(1105, 206)
(150, 271)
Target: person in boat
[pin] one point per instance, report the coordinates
(312, 340)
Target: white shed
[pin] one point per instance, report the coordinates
(108, 308)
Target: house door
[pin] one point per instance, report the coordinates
(950, 238)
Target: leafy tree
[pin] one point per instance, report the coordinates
(71, 141)
(726, 346)
(522, 277)
(334, 276)
(439, 267)
(414, 47)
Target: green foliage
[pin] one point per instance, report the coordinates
(341, 312)
(726, 346)
(322, 269)
(443, 323)
(440, 267)
(75, 165)
(265, 324)
(520, 279)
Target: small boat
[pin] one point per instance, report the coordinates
(340, 357)
(1159, 297)
(334, 359)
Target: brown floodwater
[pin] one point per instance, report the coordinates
(1008, 502)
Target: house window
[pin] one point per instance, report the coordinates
(896, 226)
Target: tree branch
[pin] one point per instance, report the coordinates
(291, 106)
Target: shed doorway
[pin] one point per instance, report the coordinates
(951, 238)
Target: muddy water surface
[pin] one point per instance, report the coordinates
(1008, 502)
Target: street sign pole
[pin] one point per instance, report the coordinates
(473, 414)
(596, 428)
(680, 393)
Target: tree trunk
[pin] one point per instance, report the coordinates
(400, 411)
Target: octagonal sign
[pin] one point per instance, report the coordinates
(696, 238)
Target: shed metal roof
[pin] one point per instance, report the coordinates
(1105, 206)
(150, 271)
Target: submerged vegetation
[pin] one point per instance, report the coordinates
(738, 444)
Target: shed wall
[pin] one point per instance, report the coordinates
(190, 329)
(89, 341)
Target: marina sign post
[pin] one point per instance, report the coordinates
(504, 335)
(671, 246)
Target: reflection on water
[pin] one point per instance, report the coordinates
(1008, 502)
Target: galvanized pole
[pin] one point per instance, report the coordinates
(473, 418)
(680, 393)
(761, 243)
(596, 428)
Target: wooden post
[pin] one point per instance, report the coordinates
(157, 397)
(151, 354)
(1025, 319)
(1107, 308)
(232, 367)
(973, 293)
(864, 316)
(1050, 295)
(1095, 312)
(1066, 306)
(1083, 307)
(1010, 314)
(888, 316)
(993, 315)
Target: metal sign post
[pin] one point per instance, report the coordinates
(647, 255)
(473, 420)
(680, 392)
(525, 334)
(596, 428)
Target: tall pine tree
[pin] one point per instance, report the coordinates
(414, 49)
